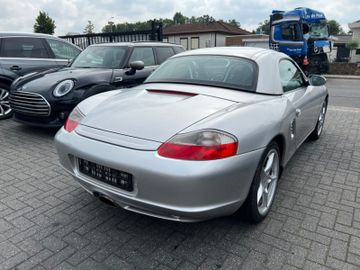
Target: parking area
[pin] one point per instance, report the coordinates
(48, 222)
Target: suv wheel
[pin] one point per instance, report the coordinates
(5, 110)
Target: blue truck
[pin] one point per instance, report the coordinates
(303, 34)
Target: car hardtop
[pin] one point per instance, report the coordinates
(244, 52)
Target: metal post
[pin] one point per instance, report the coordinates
(153, 31)
(160, 32)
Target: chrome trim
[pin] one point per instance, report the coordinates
(29, 103)
(32, 59)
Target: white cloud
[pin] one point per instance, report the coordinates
(72, 15)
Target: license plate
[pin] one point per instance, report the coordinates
(326, 49)
(106, 175)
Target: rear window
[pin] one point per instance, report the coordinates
(23, 47)
(223, 71)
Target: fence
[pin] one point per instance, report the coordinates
(153, 34)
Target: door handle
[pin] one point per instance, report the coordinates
(297, 112)
(15, 68)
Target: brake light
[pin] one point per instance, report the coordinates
(171, 92)
(202, 145)
(75, 117)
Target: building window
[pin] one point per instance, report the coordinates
(194, 43)
(184, 43)
(165, 39)
(357, 51)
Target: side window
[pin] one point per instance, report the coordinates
(23, 47)
(144, 54)
(164, 53)
(290, 76)
(178, 49)
(291, 32)
(62, 50)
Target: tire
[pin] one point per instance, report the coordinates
(315, 135)
(263, 188)
(5, 110)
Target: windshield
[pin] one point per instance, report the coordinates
(318, 30)
(223, 71)
(100, 57)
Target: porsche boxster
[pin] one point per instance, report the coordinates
(207, 133)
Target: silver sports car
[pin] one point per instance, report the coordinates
(206, 134)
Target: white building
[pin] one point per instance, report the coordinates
(201, 35)
(355, 28)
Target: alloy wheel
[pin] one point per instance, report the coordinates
(268, 181)
(5, 108)
(321, 119)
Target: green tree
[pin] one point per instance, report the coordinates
(335, 28)
(263, 28)
(352, 45)
(205, 19)
(179, 18)
(89, 28)
(234, 22)
(44, 24)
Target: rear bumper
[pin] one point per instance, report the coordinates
(165, 188)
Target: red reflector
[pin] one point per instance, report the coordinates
(197, 152)
(306, 61)
(70, 125)
(171, 92)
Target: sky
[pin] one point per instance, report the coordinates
(72, 15)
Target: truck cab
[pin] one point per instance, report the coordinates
(303, 34)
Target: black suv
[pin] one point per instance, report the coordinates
(21, 54)
(47, 98)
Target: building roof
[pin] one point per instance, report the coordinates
(190, 28)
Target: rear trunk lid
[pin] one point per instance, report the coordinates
(152, 115)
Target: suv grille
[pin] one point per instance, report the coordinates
(29, 103)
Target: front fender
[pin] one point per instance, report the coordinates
(7, 76)
(96, 89)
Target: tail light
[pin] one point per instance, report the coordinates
(200, 145)
(73, 120)
(306, 61)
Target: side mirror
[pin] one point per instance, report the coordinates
(317, 80)
(134, 66)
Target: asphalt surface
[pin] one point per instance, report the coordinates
(48, 222)
(344, 93)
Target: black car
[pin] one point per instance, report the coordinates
(23, 53)
(47, 98)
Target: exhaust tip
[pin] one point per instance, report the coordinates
(105, 199)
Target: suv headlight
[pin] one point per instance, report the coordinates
(63, 88)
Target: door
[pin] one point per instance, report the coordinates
(22, 55)
(296, 90)
(145, 54)
(62, 51)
